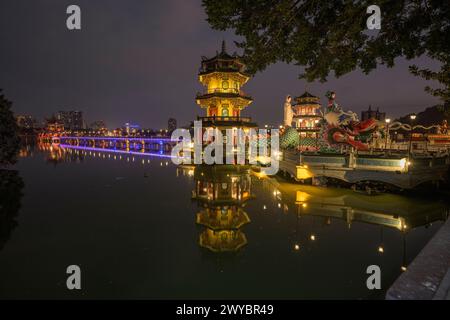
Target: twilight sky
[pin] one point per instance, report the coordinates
(137, 60)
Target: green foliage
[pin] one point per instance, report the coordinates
(9, 139)
(442, 77)
(332, 36)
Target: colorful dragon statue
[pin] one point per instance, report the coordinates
(338, 128)
(344, 128)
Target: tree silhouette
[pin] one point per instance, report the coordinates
(9, 138)
(332, 36)
(11, 186)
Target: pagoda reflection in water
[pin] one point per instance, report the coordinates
(221, 193)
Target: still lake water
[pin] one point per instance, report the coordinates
(145, 228)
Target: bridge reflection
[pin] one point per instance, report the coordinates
(125, 144)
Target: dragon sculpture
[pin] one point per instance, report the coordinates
(344, 128)
(338, 128)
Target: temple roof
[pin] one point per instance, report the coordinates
(222, 61)
(223, 55)
(307, 99)
(306, 95)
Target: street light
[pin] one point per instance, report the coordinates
(387, 133)
(412, 117)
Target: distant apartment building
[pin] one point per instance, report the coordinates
(72, 120)
(130, 128)
(375, 114)
(171, 125)
(25, 121)
(98, 125)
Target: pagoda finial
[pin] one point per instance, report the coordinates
(224, 49)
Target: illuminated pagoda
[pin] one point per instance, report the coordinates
(306, 119)
(223, 100)
(221, 192)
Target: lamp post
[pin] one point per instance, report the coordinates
(412, 117)
(387, 134)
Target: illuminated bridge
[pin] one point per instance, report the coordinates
(125, 144)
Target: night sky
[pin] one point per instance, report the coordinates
(137, 60)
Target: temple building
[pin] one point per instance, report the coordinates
(223, 77)
(306, 119)
(221, 192)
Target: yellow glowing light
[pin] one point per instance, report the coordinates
(279, 205)
(304, 205)
(380, 249)
(296, 247)
(403, 268)
(302, 196)
(312, 237)
(260, 174)
(403, 163)
(264, 207)
(303, 173)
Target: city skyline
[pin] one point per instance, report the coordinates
(137, 65)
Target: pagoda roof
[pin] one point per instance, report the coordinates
(306, 94)
(307, 99)
(223, 95)
(222, 241)
(235, 218)
(222, 61)
(224, 70)
(222, 55)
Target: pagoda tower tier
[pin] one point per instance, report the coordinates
(223, 99)
(307, 112)
(221, 192)
(307, 120)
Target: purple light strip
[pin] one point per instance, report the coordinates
(68, 146)
(119, 138)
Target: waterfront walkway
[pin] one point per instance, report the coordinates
(428, 276)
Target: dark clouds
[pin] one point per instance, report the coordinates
(137, 60)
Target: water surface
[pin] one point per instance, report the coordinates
(140, 227)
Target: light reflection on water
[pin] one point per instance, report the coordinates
(140, 227)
